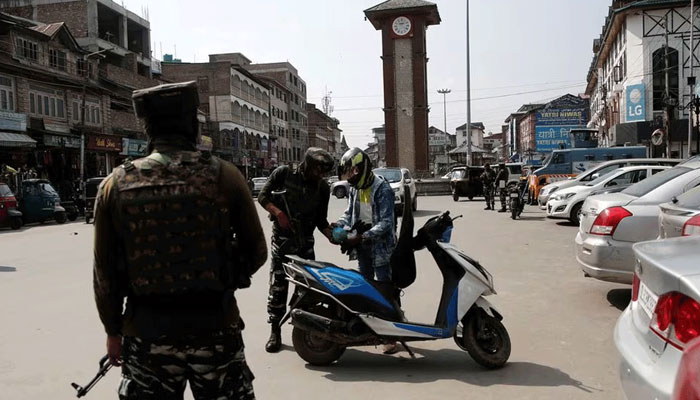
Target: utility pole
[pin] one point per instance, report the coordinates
(469, 102)
(444, 93)
(691, 80)
(667, 97)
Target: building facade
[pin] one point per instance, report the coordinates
(629, 98)
(379, 134)
(440, 143)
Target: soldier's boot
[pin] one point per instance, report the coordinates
(274, 343)
(488, 207)
(502, 210)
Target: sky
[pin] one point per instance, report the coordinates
(521, 51)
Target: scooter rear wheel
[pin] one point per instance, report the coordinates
(314, 349)
(486, 340)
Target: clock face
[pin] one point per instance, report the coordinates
(401, 26)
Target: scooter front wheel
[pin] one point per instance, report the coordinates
(486, 340)
(315, 350)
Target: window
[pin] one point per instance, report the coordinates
(203, 83)
(26, 49)
(92, 110)
(7, 94)
(46, 102)
(659, 76)
(57, 59)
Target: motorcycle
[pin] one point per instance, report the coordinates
(517, 200)
(334, 308)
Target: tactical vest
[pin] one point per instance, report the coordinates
(304, 202)
(173, 230)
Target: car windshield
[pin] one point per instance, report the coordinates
(48, 189)
(690, 199)
(459, 174)
(601, 178)
(391, 175)
(5, 191)
(259, 180)
(641, 188)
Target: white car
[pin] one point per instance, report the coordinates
(661, 321)
(566, 203)
(398, 178)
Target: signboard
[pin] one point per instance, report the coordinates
(437, 139)
(548, 138)
(13, 121)
(635, 102)
(104, 143)
(134, 147)
(72, 142)
(562, 117)
(56, 127)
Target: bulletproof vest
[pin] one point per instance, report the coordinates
(173, 230)
(304, 202)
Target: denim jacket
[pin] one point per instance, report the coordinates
(380, 239)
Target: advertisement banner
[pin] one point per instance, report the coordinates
(562, 117)
(437, 139)
(134, 147)
(104, 143)
(636, 106)
(13, 121)
(548, 138)
(72, 142)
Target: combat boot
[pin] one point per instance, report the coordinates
(274, 343)
(502, 210)
(487, 208)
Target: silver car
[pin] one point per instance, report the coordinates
(595, 172)
(258, 184)
(662, 318)
(612, 223)
(681, 216)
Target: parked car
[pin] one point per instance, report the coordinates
(597, 171)
(91, 186)
(567, 203)
(9, 214)
(340, 189)
(258, 184)
(612, 223)
(681, 216)
(398, 178)
(466, 182)
(662, 318)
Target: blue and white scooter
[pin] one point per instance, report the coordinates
(334, 308)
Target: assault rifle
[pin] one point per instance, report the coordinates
(105, 366)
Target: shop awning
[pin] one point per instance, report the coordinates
(8, 139)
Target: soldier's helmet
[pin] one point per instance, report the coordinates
(317, 157)
(355, 158)
(169, 109)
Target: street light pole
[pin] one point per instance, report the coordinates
(444, 92)
(469, 102)
(692, 75)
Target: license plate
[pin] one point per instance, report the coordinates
(514, 195)
(647, 299)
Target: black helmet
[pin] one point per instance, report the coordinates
(169, 109)
(317, 157)
(356, 158)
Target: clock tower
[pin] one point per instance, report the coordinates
(404, 24)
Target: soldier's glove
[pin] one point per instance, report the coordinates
(283, 221)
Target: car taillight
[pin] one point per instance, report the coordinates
(687, 386)
(607, 221)
(635, 287)
(677, 312)
(692, 226)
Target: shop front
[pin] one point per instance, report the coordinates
(132, 149)
(16, 146)
(102, 154)
(60, 159)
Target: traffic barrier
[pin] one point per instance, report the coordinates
(433, 187)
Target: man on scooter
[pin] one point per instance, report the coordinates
(296, 214)
(370, 204)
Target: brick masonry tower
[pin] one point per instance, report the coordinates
(404, 24)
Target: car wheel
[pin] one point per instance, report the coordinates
(15, 223)
(415, 204)
(575, 216)
(455, 196)
(60, 218)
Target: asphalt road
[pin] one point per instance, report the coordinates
(560, 323)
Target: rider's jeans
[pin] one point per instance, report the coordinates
(381, 273)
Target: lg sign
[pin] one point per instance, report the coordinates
(635, 103)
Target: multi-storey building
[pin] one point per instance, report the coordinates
(323, 130)
(279, 120)
(287, 75)
(629, 98)
(440, 143)
(238, 104)
(379, 134)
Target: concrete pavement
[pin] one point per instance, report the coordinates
(560, 323)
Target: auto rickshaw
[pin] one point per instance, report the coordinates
(466, 182)
(90, 196)
(9, 214)
(39, 202)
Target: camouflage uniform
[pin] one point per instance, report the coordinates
(502, 191)
(487, 178)
(164, 227)
(308, 205)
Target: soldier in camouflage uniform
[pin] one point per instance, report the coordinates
(487, 178)
(296, 214)
(501, 185)
(165, 228)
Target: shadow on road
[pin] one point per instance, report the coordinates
(7, 269)
(620, 298)
(531, 218)
(425, 213)
(566, 223)
(434, 365)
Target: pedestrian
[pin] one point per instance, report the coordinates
(164, 231)
(370, 204)
(302, 208)
(487, 178)
(501, 184)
